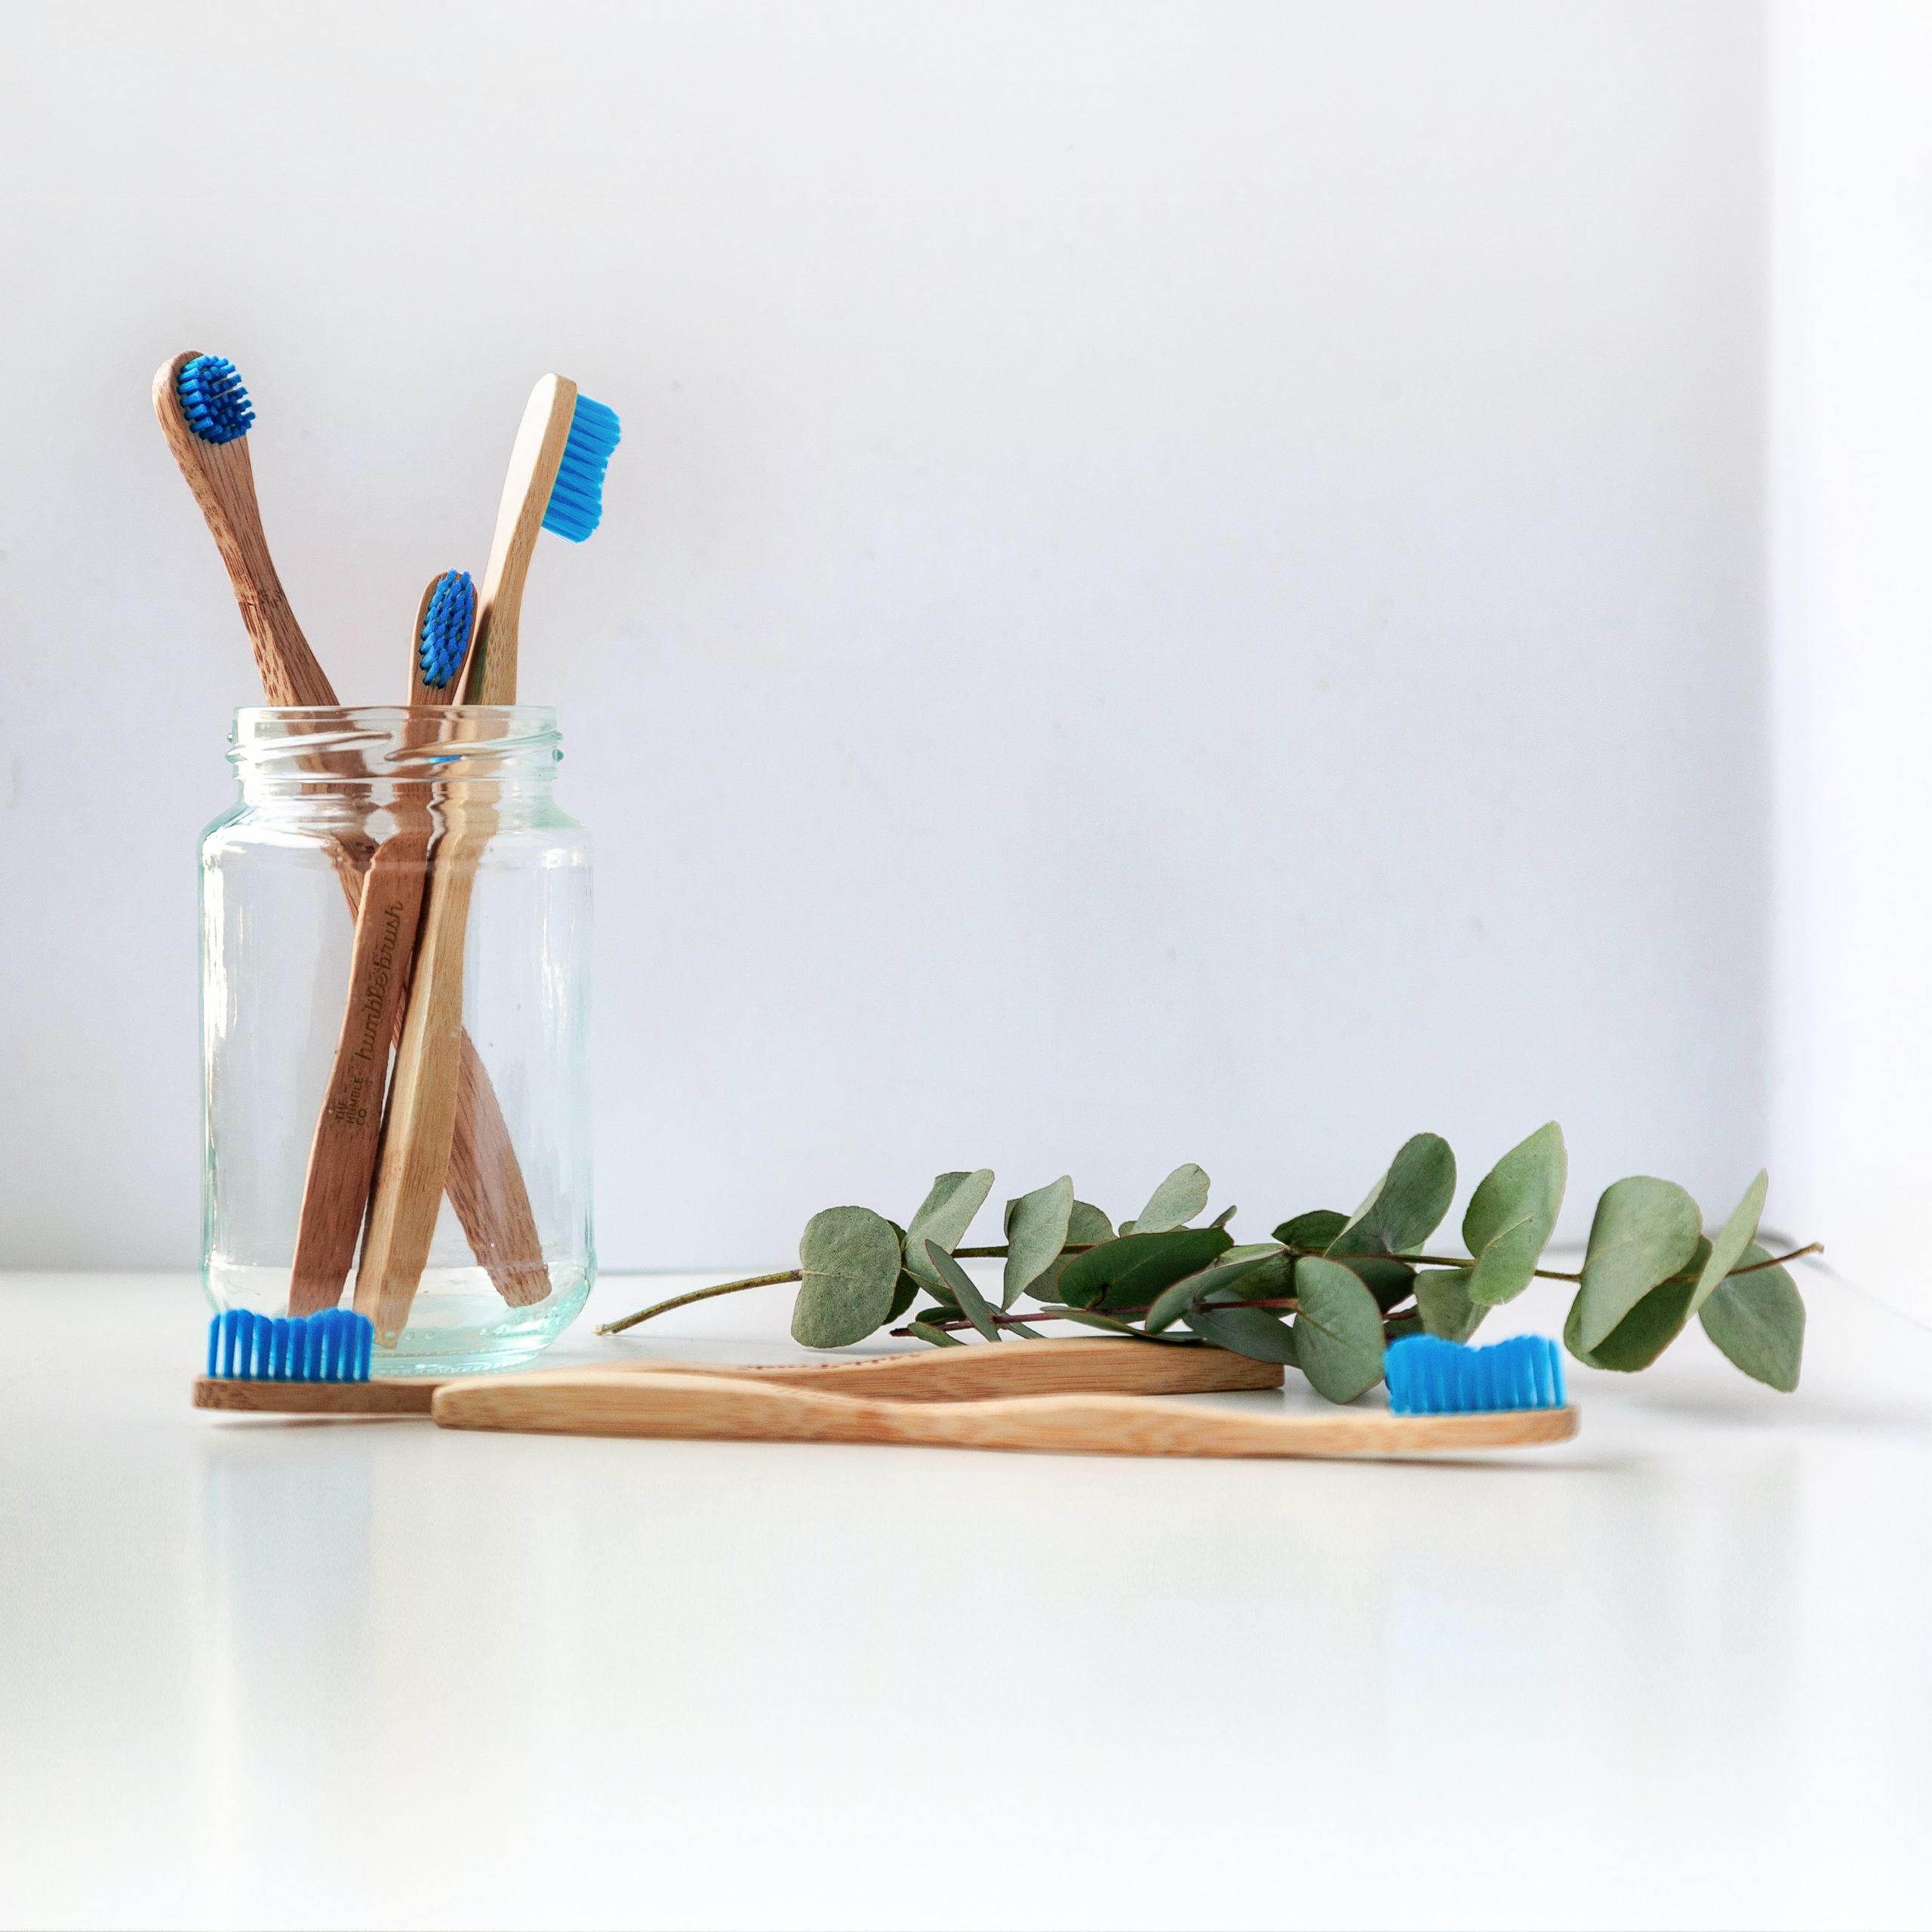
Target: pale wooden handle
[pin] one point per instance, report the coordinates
(535, 458)
(594, 1403)
(1013, 1368)
(393, 1396)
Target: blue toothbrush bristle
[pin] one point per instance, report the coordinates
(337, 1346)
(577, 497)
(1428, 1376)
(212, 399)
(446, 627)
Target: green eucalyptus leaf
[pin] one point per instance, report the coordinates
(1656, 1321)
(939, 1337)
(1732, 1239)
(1444, 1303)
(1512, 1214)
(1758, 1320)
(1087, 1225)
(1645, 1230)
(848, 1258)
(965, 1291)
(1131, 1270)
(944, 1216)
(1253, 1332)
(1312, 1232)
(1236, 1272)
(1338, 1331)
(1222, 1220)
(1176, 1201)
(1407, 1204)
(1036, 1226)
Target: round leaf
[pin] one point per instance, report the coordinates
(1758, 1320)
(849, 1257)
(1407, 1203)
(1178, 1199)
(1443, 1301)
(1036, 1226)
(944, 1216)
(1512, 1214)
(1338, 1331)
(1312, 1232)
(1645, 1230)
(1645, 1332)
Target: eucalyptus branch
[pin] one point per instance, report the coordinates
(1651, 1265)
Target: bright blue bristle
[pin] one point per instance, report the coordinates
(577, 497)
(336, 1345)
(1428, 1376)
(446, 627)
(212, 399)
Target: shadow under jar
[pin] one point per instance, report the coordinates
(435, 805)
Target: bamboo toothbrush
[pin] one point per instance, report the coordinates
(341, 1158)
(204, 413)
(1018, 1368)
(1502, 1397)
(555, 482)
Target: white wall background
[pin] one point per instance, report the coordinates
(1183, 582)
(1851, 176)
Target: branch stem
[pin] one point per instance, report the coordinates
(699, 1294)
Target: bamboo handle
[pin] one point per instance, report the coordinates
(701, 1406)
(535, 457)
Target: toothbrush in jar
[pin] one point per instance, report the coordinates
(556, 480)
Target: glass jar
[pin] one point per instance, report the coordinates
(395, 956)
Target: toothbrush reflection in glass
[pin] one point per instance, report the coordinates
(556, 482)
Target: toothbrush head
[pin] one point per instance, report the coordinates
(1428, 1376)
(335, 1345)
(444, 638)
(577, 498)
(212, 399)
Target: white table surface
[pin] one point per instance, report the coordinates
(1677, 1673)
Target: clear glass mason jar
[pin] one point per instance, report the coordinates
(446, 817)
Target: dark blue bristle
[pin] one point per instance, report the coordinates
(212, 399)
(577, 497)
(337, 1346)
(446, 627)
(1428, 1376)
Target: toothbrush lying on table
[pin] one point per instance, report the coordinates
(556, 482)
(242, 1363)
(205, 415)
(1506, 1396)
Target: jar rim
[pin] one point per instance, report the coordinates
(393, 741)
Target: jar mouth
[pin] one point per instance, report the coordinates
(334, 742)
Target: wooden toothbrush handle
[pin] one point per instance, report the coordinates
(419, 1128)
(606, 1403)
